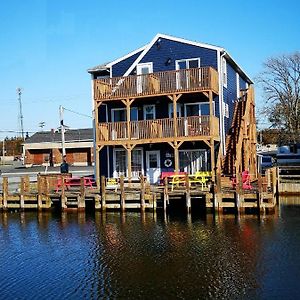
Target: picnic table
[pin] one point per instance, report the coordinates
(73, 182)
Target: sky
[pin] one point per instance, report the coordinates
(46, 46)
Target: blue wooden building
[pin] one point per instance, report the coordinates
(173, 105)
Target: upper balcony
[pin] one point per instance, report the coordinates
(156, 84)
(158, 130)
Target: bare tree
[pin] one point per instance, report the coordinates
(280, 81)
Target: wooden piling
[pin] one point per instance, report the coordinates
(142, 182)
(5, 192)
(40, 195)
(187, 193)
(103, 195)
(166, 194)
(81, 197)
(122, 194)
(22, 192)
(218, 194)
(63, 194)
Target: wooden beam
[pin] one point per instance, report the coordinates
(97, 160)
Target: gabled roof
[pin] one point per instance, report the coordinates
(71, 135)
(147, 47)
(172, 38)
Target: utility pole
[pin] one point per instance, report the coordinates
(19, 93)
(62, 129)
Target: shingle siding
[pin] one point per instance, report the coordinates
(121, 67)
(175, 51)
(230, 95)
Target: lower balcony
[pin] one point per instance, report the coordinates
(158, 130)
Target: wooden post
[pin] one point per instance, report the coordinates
(63, 194)
(142, 181)
(47, 191)
(22, 192)
(218, 194)
(212, 158)
(5, 192)
(81, 198)
(129, 148)
(176, 158)
(175, 125)
(187, 194)
(240, 193)
(39, 196)
(122, 195)
(103, 194)
(166, 193)
(97, 161)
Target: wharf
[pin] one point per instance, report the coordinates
(216, 197)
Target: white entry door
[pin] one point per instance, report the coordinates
(153, 166)
(142, 80)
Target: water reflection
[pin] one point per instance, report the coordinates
(133, 255)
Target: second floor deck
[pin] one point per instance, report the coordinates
(158, 130)
(156, 84)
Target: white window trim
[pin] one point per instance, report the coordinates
(186, 60)
(150, 64)
(144, 111)
(224, 72)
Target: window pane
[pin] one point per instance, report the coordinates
(136, 162)
(153, 161)
(204, 109)
(121, 162)
(194, 63)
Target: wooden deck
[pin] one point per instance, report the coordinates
(156, 84)
(159, 130)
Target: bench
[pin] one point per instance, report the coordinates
(169, 176)
(200, 177)
(74, 181)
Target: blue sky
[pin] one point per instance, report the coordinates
(46, 46)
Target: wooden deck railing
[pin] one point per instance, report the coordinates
(159, 83)
(194, 126)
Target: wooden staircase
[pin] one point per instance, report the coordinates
(241, 138)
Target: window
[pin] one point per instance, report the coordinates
(120, 114)
(149, 112)
(171, 110)
(224, 72)
(197, 109)
(186, 79)
(120, 162)
(226, 110)
(192, 161)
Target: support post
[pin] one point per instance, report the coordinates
(5, 192)
(166, 193)
(97, 160)
(187, 194)
(142, 181)
(22, 192)
(129, 148)
(39, 196)
(63, 194)
(103, 194)
(176, 158)
(81, 198)
(175, 125)
(122, 195)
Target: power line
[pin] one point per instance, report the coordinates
(77, 113)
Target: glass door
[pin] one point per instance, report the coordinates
(153, 166)
(142, 78)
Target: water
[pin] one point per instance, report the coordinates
(150, 256)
